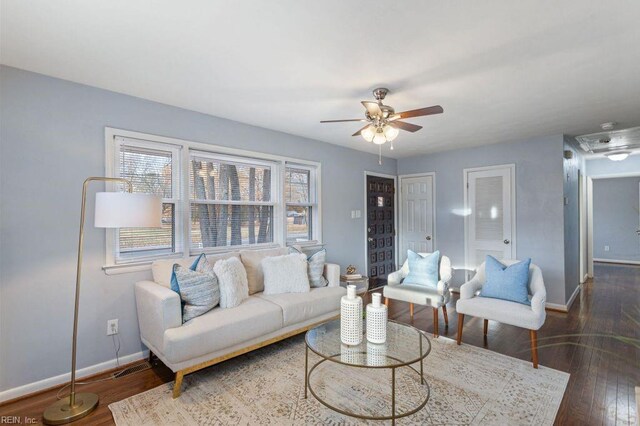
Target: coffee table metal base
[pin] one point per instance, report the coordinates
(393, 416)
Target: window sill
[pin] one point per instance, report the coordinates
(127, 268)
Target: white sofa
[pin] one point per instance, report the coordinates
(221, 334)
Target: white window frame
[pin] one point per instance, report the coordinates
(183, 150)
(313, 202)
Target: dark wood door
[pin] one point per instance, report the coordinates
(381, 230)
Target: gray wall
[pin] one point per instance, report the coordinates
(52, 138)
(615, 218)
(571, 168)
(539, 201)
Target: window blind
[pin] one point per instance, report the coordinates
(299, 205)
(231, 202)
(150, 171)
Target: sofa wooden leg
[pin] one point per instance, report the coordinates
(435, 322)
(446, 315)
(460, 325)
(411, 310)
(486, 327)
(534, 347)
(178, 384)
(150, 357)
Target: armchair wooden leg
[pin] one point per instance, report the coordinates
(411, 310)
(534, 347)
(150, 357)
(460, 325)
(386, 301)
(435, 322)
(446, 316)
(486, 327)
(178, 384)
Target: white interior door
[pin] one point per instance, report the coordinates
(490, 205)
(417, 217)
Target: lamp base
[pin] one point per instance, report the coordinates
(60, 412)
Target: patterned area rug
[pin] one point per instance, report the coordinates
(468, 386)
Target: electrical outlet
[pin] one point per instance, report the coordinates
(112, 327)
(606, 248)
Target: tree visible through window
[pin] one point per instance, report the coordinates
(212, 202)
(231, 203)
(149, 171)
(300, 203)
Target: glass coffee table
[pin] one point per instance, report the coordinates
(405, 347)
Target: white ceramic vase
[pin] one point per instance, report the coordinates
(351, 317)
(376, 320)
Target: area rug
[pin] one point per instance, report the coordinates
(468, 386)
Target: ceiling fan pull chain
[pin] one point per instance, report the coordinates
(380, 155)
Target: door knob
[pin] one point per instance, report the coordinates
(506, 241)
(428, 237)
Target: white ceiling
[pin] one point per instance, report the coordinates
(502, 70)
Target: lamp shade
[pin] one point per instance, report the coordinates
(127, 210)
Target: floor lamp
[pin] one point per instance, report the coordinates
(113, 210)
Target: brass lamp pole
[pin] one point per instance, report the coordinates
(114, 213)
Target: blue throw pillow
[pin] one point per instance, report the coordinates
(507, 282)
(423, 270)
(174, 280)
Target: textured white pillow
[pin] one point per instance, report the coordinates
(233, 282)
(285, 274)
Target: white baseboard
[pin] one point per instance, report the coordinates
(64, 378)
(567, 306)
(623, 262)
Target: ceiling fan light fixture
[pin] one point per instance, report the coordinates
(618, 155)
(390, 132)
(379, 138)
(368, 133)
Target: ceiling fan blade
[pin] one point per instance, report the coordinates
(358, 132)
(405, 126)
(372, 108)
(342, 121)
(436, 109)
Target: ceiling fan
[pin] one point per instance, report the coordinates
(383, 123)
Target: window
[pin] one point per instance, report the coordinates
(300, 203)
(232, 203)
(214, 198)
(151, 169)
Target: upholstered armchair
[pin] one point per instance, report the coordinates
(504, 311)
(422, 295)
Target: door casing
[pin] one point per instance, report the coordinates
(467, 208)
(433, 207)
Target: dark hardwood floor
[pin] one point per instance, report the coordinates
(603, 371)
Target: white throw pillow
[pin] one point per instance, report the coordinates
(285, 274)
(233, 282)
(251, 259)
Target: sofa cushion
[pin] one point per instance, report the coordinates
(162, 269)
(221, 328)
(251, 259)
(298, 307)
(504, 311)
(418, 294)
